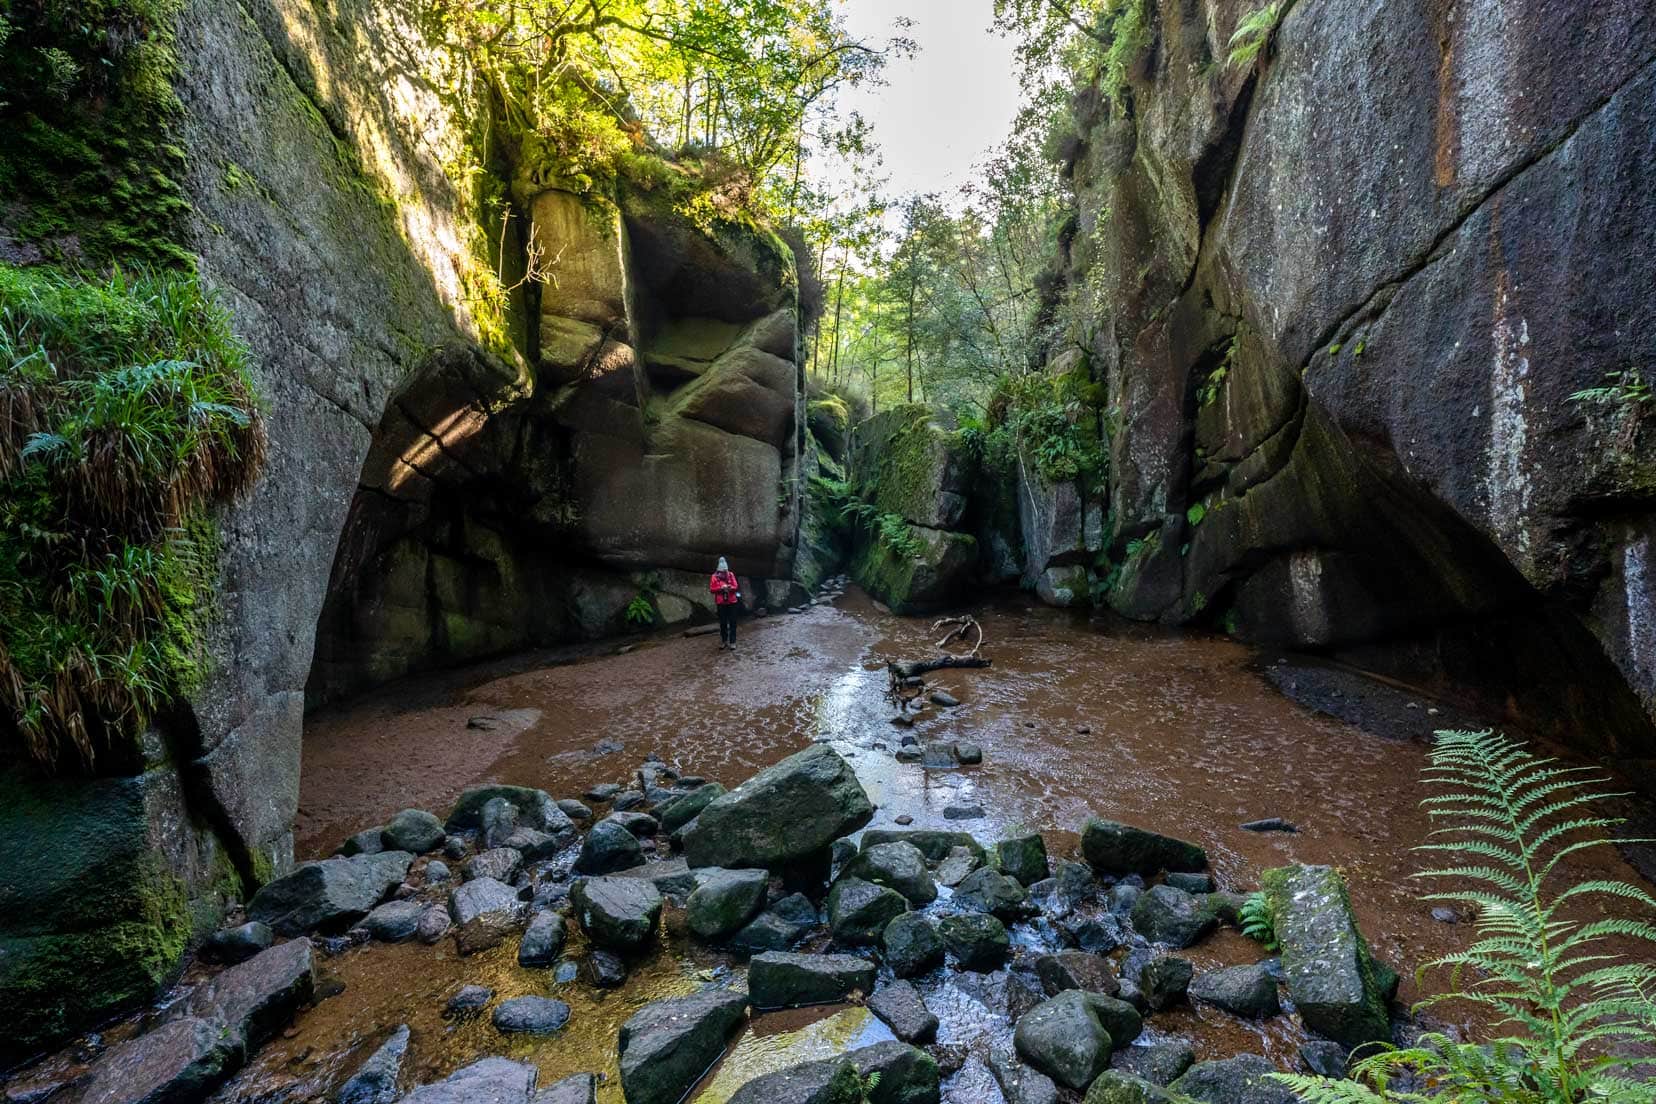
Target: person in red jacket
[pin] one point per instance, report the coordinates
(727, 593)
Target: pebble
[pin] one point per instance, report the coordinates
(604, 791)
(970, 754)
(964, 812)
(904, 818)
(1445, 915)
(1269, 824)
(604, 969)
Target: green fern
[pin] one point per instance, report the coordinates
(1255, 918)
(1254, 32)
(640, 612)
(1566, 999)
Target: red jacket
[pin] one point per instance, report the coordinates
(724, 586)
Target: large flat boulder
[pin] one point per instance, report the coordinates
(330, 894)
(1114, 848)
(784, 814)
(488, 1081)
(1244, 1079)
(256, 999)
(1332, 977)
(182, 1060)
(779, 979)
(667, 1045)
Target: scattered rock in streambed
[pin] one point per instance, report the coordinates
(530, 1016)
(1020, 1083)
(500, 863)
(1164, 980)
(1248, 991)
(329, 894)
(1324, 1057)
(437, 872)
(672, 878)
(1245, 1079)
(577, 1088)
(470, 1000)
(394, 921)
(725, 901)
(906, 1074)
(832, 1081)
(978, 941)
(604, 970)
(1091, 973)
(1062, 894)
(1063, 1038)
(967, 754)
(933, 843)
(607, 849)
(603, 792)
(1120, 1087)
(435, 923)
(415, 831)
(911, 945)
(1341, 992)
(1024, 857)
(375, 1081)
(899, 866)
(1158, 1063)
(1269, 824)
(667, 1045)
(900, 1006)
(964, 812)
(778, 927)
(617, 913)
(784, 814)
(641, 825)
(369, 841)
(859, 911)
(680, 811)
(484, 911)
(779, 979)
(991, 891)
(238, 944)
(543, 942)
(535, 808)
(1198, 884)
(574, 810)
(486, 1081)
(957, 866)
(944, 699)
(1163, 914)
(1114, 848)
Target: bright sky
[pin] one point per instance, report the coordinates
(942, 110)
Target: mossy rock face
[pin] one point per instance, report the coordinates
(1336, 984)
(910, 464)
(92, 919)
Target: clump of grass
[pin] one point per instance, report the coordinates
(126, 414)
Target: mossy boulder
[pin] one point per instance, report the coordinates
(913, 466)
(936, 575)
(1335, 983)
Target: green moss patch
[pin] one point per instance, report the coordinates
(88, 110)
(126, 414)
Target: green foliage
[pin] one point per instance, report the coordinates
(126, 413)
(1565, 997)
(1255, 918)
(88, 110)
(1050, 422)
(640, 611)
(1195, 514)
(1254, 32)
(1627, 389)
(891, 530)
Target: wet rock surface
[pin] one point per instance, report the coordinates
(779, 979)
(668, 1045)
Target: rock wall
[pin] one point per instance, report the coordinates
(449, 476)
(1340, 302)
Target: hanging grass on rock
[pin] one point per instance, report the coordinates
(125, 414)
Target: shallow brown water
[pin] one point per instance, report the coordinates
(1183, 735)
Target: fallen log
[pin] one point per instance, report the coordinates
(921, 666)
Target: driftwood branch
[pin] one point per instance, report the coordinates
(963, 626)
(921, 666)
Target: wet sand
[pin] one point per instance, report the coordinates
(1178, 733)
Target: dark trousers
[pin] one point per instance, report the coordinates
(727, 624)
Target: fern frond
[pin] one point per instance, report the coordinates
(1323, 1090)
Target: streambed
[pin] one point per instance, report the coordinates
(1178, 733)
